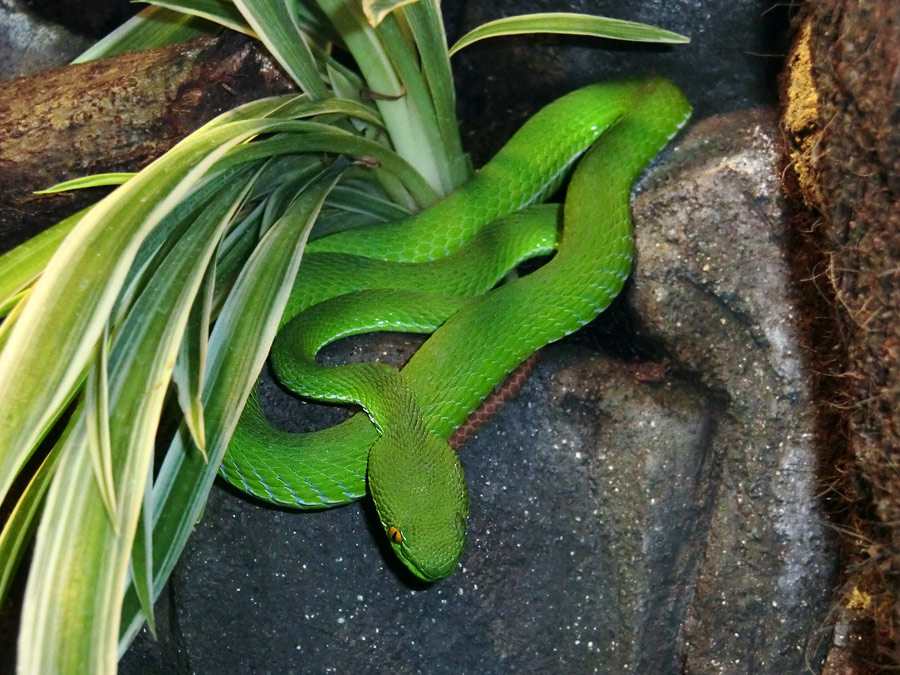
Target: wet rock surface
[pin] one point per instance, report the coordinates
(652, 516)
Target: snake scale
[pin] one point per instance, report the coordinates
(438, 272)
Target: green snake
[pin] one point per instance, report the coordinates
(438, 271)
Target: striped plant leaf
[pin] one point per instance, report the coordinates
(238, 347)
(570, 24)
(20, 267)
(377, 10)
(96, 411)
(151, 28)
(141, 359)
(216, 11)
(49, 346)
(97, 180)
(191, 361)
(275, 23)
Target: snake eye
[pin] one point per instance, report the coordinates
(394, 535)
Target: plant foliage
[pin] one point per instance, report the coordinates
(163, 298)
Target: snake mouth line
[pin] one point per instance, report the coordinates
(422, 573)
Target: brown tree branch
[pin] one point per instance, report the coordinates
(114, 114)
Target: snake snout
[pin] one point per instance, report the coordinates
(434, 558)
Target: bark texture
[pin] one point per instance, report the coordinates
(843, 119)
(114, 114)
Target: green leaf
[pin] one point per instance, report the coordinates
(323, 138)
(427, 26)
(223, 12)
(153, 27)
(50, 344)
(355, 200)
(142, 556)
(12, 317)
(96, 403)
(417, 97)
(276, 25)
(238, 348)
(191, 361)
(156, 246)
(570, 24)
(97, 180)
(8, 307)
(292, 184)
(216, 11)
(376, 10)
(71, 620)
(410, 127)
(21, 266)
(22, 522)
(343, 83)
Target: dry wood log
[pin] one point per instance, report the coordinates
(114, 114)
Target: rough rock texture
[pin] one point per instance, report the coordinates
(30, 43)
(36, 35)
(658, 515)
(843, 119)
(714, 286)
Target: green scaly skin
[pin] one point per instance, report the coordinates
(415, 479)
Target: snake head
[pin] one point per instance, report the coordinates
(422, 502)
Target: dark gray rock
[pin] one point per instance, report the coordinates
(37, 35)
(29, 43)
(658, 516)
(714, 286)
(730, 64)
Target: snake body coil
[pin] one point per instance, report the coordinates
(434, 272)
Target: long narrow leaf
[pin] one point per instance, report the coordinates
(355, 200)
(97, 414)
(22, 522)
(322, 138)
(142, 556)
(70, 620)
(417, 95)
(406, 125)
(23, 265)
(424, 18)
(191, 361)
(292, 184)
(157, 244)
(274, 23)
(151, 28)
(8, 307)
(238, 347)
(49, 346)
(570, 24)
(377, 10)
(217, 11)
(97, 180)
